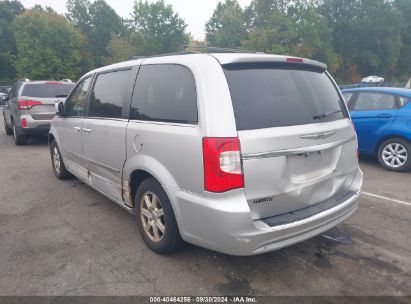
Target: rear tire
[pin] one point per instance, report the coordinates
(156, 221)
(57, 162)
(395, 154)
(9, 131)
(19, 140)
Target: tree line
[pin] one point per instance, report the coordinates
(354, 37)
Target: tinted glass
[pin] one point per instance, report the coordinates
(348, 96)
(403, 101)
(12, 93)
(76, 104)
(367, 101)
(165, 93)
(276, 95)
(47, 90)
(109, 94)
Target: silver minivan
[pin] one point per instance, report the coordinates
(235, 152)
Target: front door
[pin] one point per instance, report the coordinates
(69, 127)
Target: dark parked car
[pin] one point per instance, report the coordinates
(2, 98)
(382, 118)
(4, 91)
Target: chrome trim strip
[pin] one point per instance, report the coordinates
(318, 135)
(297, 151)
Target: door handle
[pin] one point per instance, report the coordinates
(384, 116)
(87, 130)
(77, 129)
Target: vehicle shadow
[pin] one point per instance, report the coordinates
(324, 259)
(37, 141)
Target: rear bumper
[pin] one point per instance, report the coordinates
(217, 226)
(34, 127)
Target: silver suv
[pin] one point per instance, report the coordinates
(238, 153)
(30, 106)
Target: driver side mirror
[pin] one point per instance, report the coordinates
(59, 108)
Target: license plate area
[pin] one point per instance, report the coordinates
(306, 167)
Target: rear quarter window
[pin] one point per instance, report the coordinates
(46, 90)
(276, 95)
(403, 101)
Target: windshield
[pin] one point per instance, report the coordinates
(47, 90)
(277, 95)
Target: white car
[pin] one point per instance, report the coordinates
(373, 79)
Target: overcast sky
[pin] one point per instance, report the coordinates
(195, 12)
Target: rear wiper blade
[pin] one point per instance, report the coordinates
(325, 115)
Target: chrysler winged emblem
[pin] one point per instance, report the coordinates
(318, 135)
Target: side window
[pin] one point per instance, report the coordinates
(403, 101)
(165, 93)
(12, 93)
(76, 104)
(109, 93)
(347, 97)
(368, 101)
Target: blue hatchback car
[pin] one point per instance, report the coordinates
(382, 118)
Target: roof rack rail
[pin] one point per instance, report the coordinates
(160, 55)
(193, 49)
(213, 49)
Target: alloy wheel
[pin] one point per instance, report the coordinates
(152, 216)
(394, 155)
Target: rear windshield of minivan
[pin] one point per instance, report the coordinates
(47, 90)
(267, 95)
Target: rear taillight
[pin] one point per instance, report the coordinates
(222, 164)
(27, 104)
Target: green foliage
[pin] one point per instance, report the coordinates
(404, 62)
(8, 52)
(271, 31)
(227, 26)
(157, 28)
(354, 37)
(314, 37)
(98, 22)
(366, 34)
(119, 49)
(54, 53)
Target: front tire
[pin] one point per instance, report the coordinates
(57, 162)
(19, 140)
(395, 154)
(9, 131)
(155, 218)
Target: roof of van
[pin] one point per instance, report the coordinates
(223, 58)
